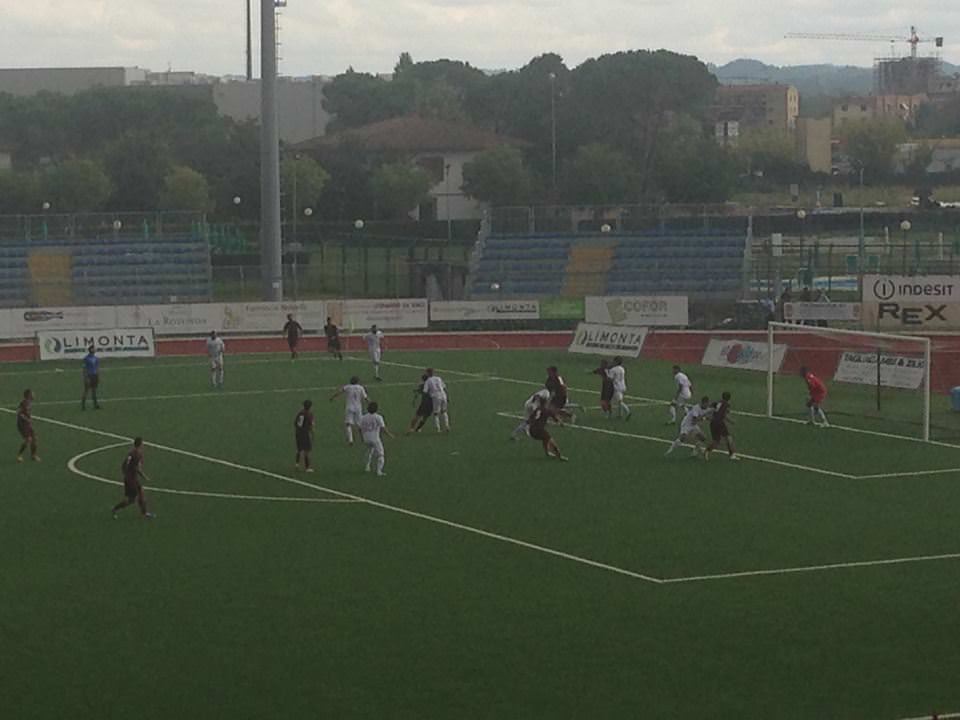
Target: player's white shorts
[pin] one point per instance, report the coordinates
(684, 396)
(691, 431)
(352, 417)
(375, 446)
(529, 409)
(216, 363)
(617, 397)
(439, 404)
(375, 357)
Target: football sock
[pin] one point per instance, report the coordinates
(673, 412)
(33, 450)
(822, 415)
(380, 462)
(446, 421)
(519, 429)
(22, 448)
(813, 414)
(624, 409)
(349, 433)
(306, 461)
(436, 421)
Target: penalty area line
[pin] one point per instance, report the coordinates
(811, 568)
(373, 503)
(663, 441)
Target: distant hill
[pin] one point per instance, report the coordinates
(810, 80)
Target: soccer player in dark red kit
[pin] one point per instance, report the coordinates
(132, 469)
(559, 397)
(303, 429)
(538, 431)
(606, 387)
(719, 430)
(293, 331)
(333, 339)
(818, 393)
(25, 427)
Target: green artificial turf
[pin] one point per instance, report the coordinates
(478, 579)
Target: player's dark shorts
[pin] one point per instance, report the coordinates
(131, 488)
(719, 431)
(816, 399)
(25, 429)
(304, 442)
(91, 381)
(558, 402)
(606, 392)
(333, 343)
(292, 341)
(426, 407)
(541, 434)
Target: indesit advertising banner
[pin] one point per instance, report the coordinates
(911, 302)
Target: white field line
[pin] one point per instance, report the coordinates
(373, 503)
(663, 441)
(938, 716)
(811, 568)
(72, 467)
(913, 473)
(201, 360)
(234, 393)
(655, 401)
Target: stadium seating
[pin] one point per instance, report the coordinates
(694, 263)
(113, 270)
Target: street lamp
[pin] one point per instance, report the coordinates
(236, 200)
(553, 127)
(446, 171)
(905, 227)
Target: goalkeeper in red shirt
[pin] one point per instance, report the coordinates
(818, 393)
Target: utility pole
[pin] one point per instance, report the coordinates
(553, 129)
(271, 260)
(249, 41)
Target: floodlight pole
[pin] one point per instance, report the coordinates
(271, 261)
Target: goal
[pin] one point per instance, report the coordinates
(875, 381)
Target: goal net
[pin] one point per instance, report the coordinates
(874, 381)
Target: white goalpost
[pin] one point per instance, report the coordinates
(874, 380)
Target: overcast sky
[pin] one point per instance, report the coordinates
(327, 36)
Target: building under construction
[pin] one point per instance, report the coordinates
(907, 75)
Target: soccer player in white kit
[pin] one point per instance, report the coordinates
(681, 396)
(618, 376)
(371, 425)
(355, 395)
(690, 430)
(535, 402)
(374, 340)
(215, 349)
(437, 390)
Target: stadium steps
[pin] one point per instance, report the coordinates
(587, 269)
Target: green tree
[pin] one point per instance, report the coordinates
(19, 193)
(872, 144)
(498, 176)
(398, 188)
(771, 151)
(185, 189)
(627, 99)
(600, 175)
(77, 185)
(692, 168)
(138, 163)
(303, 176)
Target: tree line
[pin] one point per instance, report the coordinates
(626, 127)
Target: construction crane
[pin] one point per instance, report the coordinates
(913, 39)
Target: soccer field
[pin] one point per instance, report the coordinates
(816, 578)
